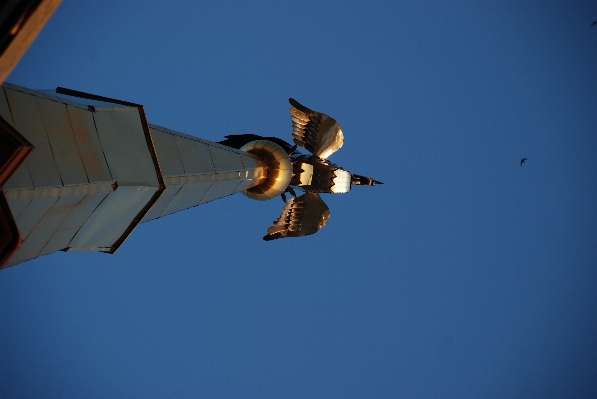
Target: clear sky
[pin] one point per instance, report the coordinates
(464, 276)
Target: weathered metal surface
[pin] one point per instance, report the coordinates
(59, 241)
(29, 122)
(113, 217)
(188, 179)
(225, 160)
(160, 205)
(4, 109)
(188, 196)
(62, 141)
(55, 192)
(82, 211)
(45, 229)
(167, 152)
(21, 178)
(90, 148)
(66, 100)
(195, 156)
(17, 207)
(220, 189)
(10, 239)
(123, 139)
(34, 212)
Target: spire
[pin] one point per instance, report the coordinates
(99, 169)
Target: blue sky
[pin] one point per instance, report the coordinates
(465, 275)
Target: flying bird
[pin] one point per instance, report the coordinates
(594, 23)
(522, 161)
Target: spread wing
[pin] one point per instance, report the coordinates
(301, 216)
(314, 131)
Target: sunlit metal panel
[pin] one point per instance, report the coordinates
(225, 160)
(90, 148)
(167, 152)
(29, 122)
(34, 212)
(121, 133)
(195, 156)
(160, 205)
(62, 140)
(220, 189)
(112, 218)
(45, 229)
(188, 196)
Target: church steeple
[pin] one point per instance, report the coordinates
(99, 169)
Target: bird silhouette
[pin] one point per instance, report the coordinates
(522, 161)
(594, 23)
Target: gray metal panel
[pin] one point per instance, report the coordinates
(195, 156)
(33, 214)
(59, 241)
(249, 162)
(20, 179)
(4, 108)
(62, 140)
(243, 185)
(89, 144)
(17, 207)
(225, 160)
(188, 196)
(188, 136)
(121, 133)
(220, 189)
(52, 95)
(167, 151)
(45, 228)
(113, 217)
(158, 208)
(19, 88)
(82, 211)
(29, 122)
